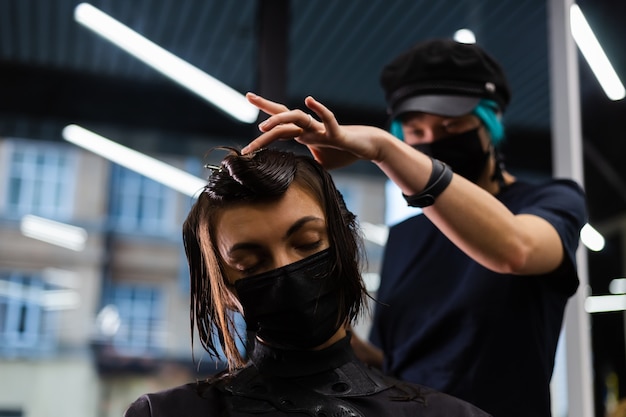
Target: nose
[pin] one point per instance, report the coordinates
(284, 257)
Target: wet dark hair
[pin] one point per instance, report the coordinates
(250, 179)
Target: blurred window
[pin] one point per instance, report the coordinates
(141, 311)
(28, 325)
(40, 179)
(139, 204)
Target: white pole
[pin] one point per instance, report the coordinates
(568, 162)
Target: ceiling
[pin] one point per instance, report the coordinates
(54, 71)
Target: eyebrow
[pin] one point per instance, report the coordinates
(299, 224)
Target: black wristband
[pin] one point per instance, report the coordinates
(439, 180)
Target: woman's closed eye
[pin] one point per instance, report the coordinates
(255, 262)
(244, 261)
(249, 266)
(310, 247)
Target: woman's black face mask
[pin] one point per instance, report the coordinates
(464, 153)
(295, 306)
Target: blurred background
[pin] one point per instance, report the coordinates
(93, 280)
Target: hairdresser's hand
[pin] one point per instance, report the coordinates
(332, 144)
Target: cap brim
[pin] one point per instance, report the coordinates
(451, 106)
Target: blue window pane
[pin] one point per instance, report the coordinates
(41, 179)
(139, 204)
(141, 311)
(27, 327)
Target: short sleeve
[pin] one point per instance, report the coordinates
(562, 204)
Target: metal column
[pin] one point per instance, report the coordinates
(568, 162)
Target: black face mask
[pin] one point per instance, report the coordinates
(463, 152)
(295, 306)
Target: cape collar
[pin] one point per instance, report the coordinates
(294, 363)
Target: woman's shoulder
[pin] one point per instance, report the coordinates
(436, 403)
(192, 399)
(405, 398)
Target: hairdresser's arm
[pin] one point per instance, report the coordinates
(468, 215)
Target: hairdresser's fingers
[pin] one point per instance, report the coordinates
(280, 132)
(354, 141)
(285, 125)
(327, 117)
(265, 105)
(296, 117)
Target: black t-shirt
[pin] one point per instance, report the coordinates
(447, 322)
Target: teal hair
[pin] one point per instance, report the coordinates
(486, 111)
(396, 129)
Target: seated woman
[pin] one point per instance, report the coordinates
(270, 237)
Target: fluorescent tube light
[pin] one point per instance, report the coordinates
(60, 299)
(617, 286)
(595, 56)
(136, 161)
(605, 303)
(61, 277)
(591, 238)
(56, 233)
(214, 91)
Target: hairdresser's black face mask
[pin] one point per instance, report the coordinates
(295, 306)
(463, 152)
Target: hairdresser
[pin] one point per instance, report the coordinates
(473, 289)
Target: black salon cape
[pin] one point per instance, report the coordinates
(330, 382)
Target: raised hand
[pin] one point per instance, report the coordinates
(332, 144)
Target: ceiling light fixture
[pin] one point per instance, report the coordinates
(465, 36)
(594, 55)
(591, 238)
(209, 88)
(56, 233)
(617, 286)
(136, 161)
(605, 303)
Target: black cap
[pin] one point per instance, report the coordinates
(443, 77)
